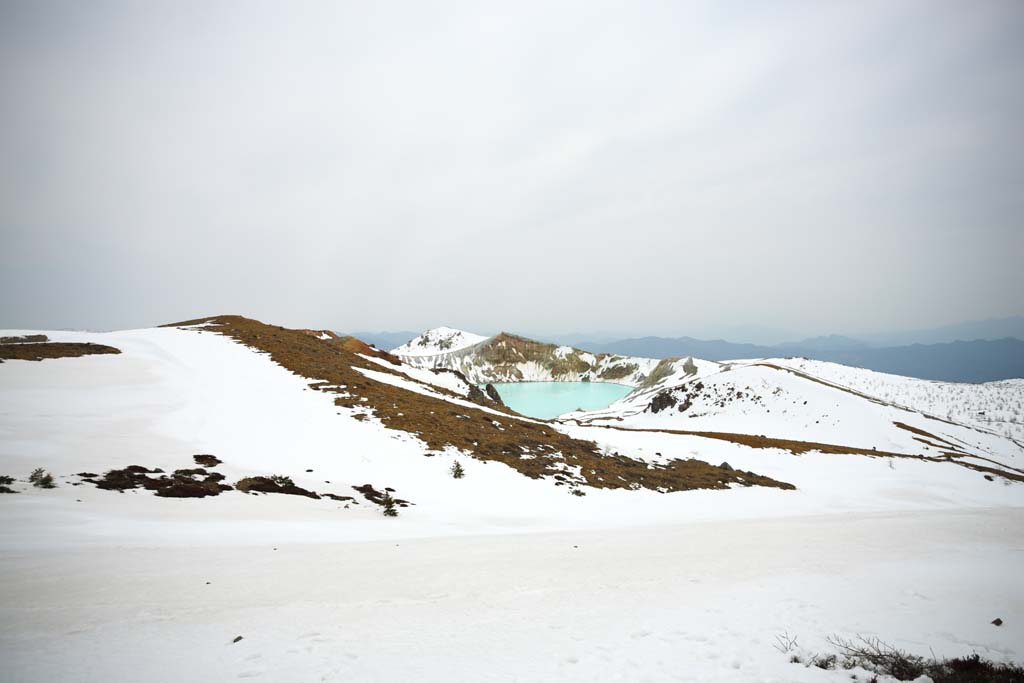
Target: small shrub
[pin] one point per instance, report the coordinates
(281, 480)
(881, 658)
(457, 471)
(388, 503)
(4, 481)
(40, 478)
(827, 662)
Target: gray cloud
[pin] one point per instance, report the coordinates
(644, 167)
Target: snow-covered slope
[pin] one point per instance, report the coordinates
(606, 584)
(770, 401)
(438, 340)
(996, 406)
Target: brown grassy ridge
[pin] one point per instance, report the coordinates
(439, 423)
(49, 350)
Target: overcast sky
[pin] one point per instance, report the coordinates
(636, 167)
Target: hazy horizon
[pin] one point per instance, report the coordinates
(669, 169)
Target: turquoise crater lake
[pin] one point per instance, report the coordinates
(546, 400)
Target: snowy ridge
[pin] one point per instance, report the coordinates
(438, 340)
(510, 358)
(769, 399)
(995, 406)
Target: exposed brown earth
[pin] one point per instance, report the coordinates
(47, 350)
(504, 437)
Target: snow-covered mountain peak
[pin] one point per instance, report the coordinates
(438, 340)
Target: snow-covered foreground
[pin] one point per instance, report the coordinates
(698, 601)
(492, 577)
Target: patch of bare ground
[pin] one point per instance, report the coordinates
(271, 485)
(197, 482)
(534, 449)
(379, 497)
(799, 447)
(184, 483)
(48, 350)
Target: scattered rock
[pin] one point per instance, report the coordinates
(334, 496)
(237, 638)
(726, 466)
(997, 622)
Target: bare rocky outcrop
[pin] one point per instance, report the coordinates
(662, 401)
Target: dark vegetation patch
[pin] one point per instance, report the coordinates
(340, 499)
(380, 497)
(48, 350)
(471, 430)
(197, 482)
(882, 659)
(25, 339)
(5, 483)
(184, 483)
(273, 484)
(42, 479)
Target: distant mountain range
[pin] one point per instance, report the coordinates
(994, 328)
(974, 351)
(960, 361)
